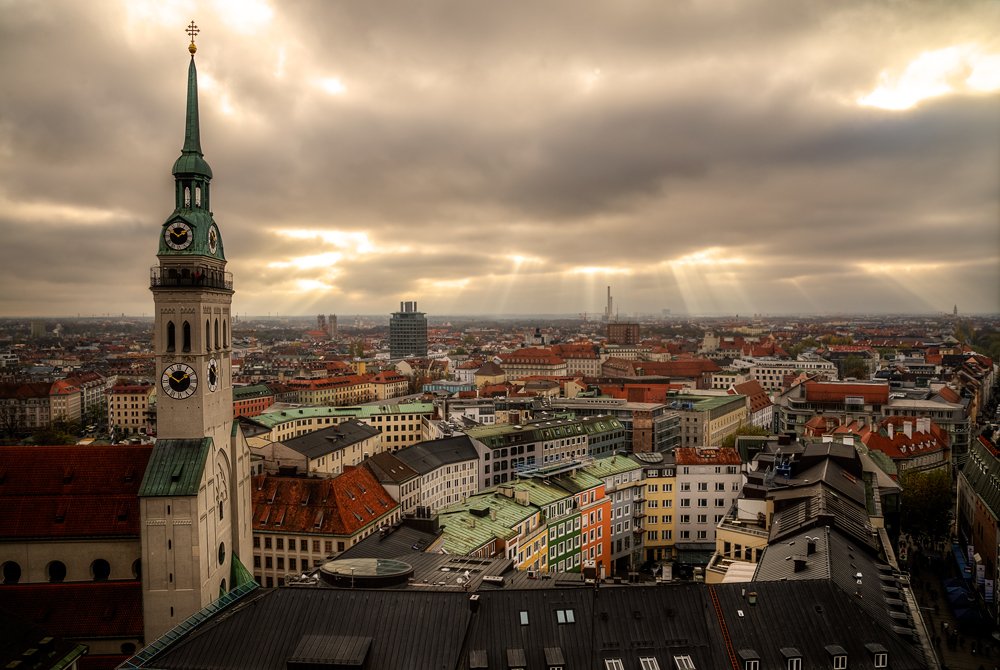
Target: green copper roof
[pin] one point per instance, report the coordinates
(273, 418)
(191, 161)
(175, 468)
(612, 465)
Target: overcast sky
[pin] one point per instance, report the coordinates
(703, 156)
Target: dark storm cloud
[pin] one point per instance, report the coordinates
(626, 137)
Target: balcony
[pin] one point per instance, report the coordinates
(196, 277)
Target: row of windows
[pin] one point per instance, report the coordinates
(56, 571)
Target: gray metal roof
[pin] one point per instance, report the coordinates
(425, 457)
(328, 440)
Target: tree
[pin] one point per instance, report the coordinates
(855, 366)
(926, 503)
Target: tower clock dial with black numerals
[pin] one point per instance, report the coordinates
(179, 381)
(178, 235)
(213, 375)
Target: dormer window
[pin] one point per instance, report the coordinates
(749, 658)
(879, 654)
(649, 663)
(838, 656)
(684, 663)
(793, 658)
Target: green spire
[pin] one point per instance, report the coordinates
(192, 161)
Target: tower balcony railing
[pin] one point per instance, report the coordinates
(196, 277)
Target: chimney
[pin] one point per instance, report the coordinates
(908, 428)
(810, 546)
(890, 430)
(800, 563)
(923, 425)
(474, 603)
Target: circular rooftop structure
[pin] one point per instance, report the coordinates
(366, 572)
(651, 457)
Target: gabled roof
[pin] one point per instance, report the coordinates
(389, 469)
(982, 471)
(808, 616)
(425, 457)
(175, 468)
(340, 506)
(333, 438)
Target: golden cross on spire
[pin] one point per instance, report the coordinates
(192, 30)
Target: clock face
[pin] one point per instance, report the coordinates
(179, 381)
(178, 235)
(213, 375)
(213, 239)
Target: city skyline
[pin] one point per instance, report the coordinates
(490, 160)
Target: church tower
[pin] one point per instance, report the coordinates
(195, 496)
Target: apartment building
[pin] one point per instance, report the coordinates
(771, 372)
(659, 473)
(129, 408)
(504, 450)
(709, 480)
(329, 451)
(447, 470)
(625, 486)
(400, 425)
(299, 522)
(648, 426)
(251, 400)
(705, 420)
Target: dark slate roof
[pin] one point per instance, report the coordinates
(330, 622)
(982, 471)
(807, 616)
(388, 469)
(175, 468)
(388, 629)
(396, 542)
(425, 457)
(839, 559)
(661, 622)
(328, 440)
(70, 491)
(817, 506)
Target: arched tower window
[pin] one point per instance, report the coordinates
(187, 196)
(218, 342)
(171, 336)
(197, 196)
(187, 337)
(56, 571)
(101, 570)
(11, 572)
(225, 333)
(208, 335)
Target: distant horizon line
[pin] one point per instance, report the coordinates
(525, 315)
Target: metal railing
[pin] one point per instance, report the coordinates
(189, 277)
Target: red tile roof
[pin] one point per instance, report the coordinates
(758, 396)
(79, 610)
(902, 446)
(71, 491)
(837, 392)
(342, 505)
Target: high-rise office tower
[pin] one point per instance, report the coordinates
(407, 331)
